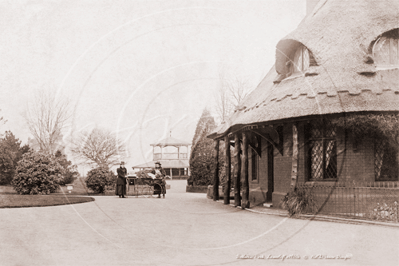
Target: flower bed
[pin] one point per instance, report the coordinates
(385, 212)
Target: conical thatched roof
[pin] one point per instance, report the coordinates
(339, 34)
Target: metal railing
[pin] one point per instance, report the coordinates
(372, 200)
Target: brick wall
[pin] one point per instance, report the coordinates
(355, 162)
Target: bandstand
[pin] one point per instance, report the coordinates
(173, 156)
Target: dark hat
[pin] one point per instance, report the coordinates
(158, 163)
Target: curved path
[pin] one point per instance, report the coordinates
(182, 229)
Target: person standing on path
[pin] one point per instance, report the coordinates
(160, 178)
(121, 181)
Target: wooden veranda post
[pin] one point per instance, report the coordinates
(237, 170)
(227, 186)
(244, 172)
(294, 170)
(216, 172)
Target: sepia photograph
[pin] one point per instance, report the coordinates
(199, 132)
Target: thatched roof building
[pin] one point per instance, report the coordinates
(343, 75)
(342, 59)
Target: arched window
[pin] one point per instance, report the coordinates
(300, 60)
(385, 49)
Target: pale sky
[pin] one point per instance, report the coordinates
(139, 68)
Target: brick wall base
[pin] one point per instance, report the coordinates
(197, 189)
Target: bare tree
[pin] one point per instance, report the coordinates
(99, 147)
(46, 117)
(239, 89)
(230, 95)
(223, 100)
(2, 122)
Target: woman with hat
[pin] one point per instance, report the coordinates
(121, 181)
(158, 171)
(160, 176)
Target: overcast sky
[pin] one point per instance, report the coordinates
(139, 68)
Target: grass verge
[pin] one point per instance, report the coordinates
(21, 201)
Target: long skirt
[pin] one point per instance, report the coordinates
(120, 186)
(120, 190)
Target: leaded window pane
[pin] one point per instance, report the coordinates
(316, 157)
(329, 129)
(322, 150)
(331, 160)
(316, 132)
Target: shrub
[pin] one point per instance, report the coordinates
(70, 175)
(100, 179)
(7, 168)
(37, 173)
(385, 212)
(382, 126)
(298, 201)
(11, 152)
(69, 170)
(202, 157)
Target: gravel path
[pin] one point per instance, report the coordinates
(182, 229)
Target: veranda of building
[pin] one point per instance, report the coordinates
(342, 60)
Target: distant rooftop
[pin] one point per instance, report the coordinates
(171, 142)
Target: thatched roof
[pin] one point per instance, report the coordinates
(344, 78)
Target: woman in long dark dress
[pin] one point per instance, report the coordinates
(160, 178)
(121, 181)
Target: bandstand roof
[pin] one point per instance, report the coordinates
(171, 142)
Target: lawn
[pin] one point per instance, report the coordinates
(19, 201)
(10, 199)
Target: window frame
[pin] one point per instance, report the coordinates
(393, 38)
(308, 151)
(299, 53)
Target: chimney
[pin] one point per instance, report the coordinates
(310, 4)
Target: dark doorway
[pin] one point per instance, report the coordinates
(270, 171)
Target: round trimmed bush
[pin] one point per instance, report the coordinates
(100, 179)
(37, 173)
